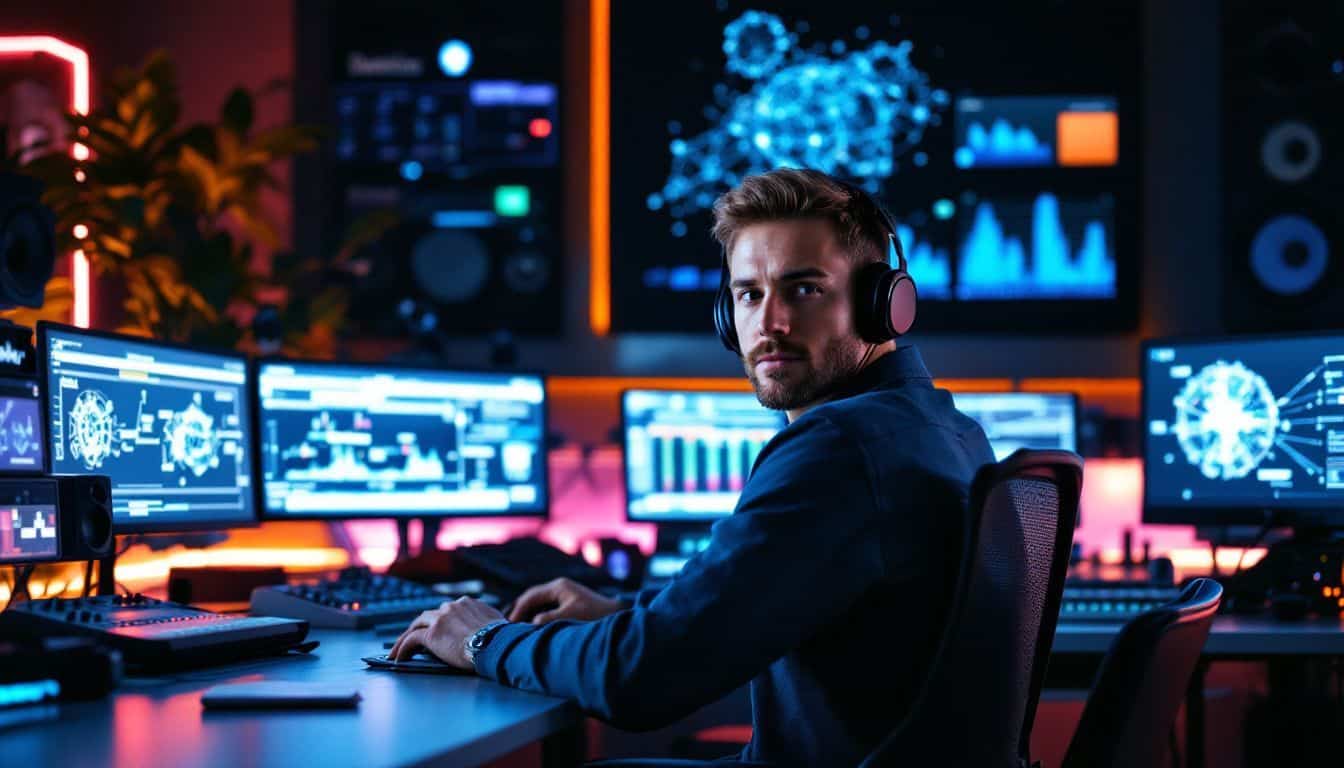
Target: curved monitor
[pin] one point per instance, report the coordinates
(171, 426)
(1245, 430)
(353, 441)
(688, 453)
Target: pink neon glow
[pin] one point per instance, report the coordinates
(78, 60)
(591, 507)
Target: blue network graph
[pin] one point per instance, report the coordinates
(929, 266)
(995, 263)
(1002, 145)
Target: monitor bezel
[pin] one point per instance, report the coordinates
(264, 514)
(1224, 515)
(685, 521)
(44, 327)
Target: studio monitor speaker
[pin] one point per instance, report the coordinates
(1283, 164)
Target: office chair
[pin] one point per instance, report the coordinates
(1142, 681)
(976, 706)
(978, 702)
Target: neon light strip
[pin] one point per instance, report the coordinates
(79, 104)
(599, 177)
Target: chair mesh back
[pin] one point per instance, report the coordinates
(975, 704)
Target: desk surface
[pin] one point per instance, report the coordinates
(1232, 637)
(403, 719)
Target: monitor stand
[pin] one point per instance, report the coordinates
(429, 538)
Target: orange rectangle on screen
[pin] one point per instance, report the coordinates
(1087, 138)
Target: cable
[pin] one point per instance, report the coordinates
(1264, 529)
(88, 578)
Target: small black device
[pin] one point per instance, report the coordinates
(46, 519)
(884, 294)
(280, 694)
(524, 562)
(356, 600)
(154, 634)
(56, 668)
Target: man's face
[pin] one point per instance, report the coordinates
(790, 283)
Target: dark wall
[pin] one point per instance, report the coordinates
(220, 44)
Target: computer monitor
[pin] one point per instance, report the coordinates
(1244, 430)
(688, 453)
(1007, 150)
(171, 426)
(1013, 420)
(345, 441)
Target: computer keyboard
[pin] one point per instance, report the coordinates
(154, 634)
(524, 562)
(353, 601)
(1114, 601)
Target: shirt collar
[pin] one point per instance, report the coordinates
(888, 371)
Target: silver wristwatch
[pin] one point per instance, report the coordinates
(476, 643)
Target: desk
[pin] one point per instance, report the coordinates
(404, 719)
(1244, 638)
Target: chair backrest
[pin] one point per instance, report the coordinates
(1142, 682)
(977, 703)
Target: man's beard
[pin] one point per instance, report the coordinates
(796, 388)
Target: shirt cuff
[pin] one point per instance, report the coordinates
(488, 662)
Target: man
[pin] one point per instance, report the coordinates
(826, 587)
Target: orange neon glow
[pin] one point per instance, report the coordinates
(26, 45)
(599, 175)
(1102, 388)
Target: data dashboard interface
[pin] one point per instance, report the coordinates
(340, 441)
(171, 427)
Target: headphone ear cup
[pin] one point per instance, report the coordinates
(884, 302)
(723, 317)
(901, 300)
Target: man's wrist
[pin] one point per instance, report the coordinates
(477, 641)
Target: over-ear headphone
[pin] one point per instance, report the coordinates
(884, 297)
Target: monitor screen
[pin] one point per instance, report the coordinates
(29, 532)
(341, 440)
(1244, 430)
(21, 449)
(1006, 149)
(1014, 420)
(170, 426)
(688, 454)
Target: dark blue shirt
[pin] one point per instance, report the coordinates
(825, 589)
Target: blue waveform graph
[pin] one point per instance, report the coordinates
(1023, 251)
(1002, 145)
(930, 266)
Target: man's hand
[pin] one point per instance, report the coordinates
(444, 632)
(562, 599)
